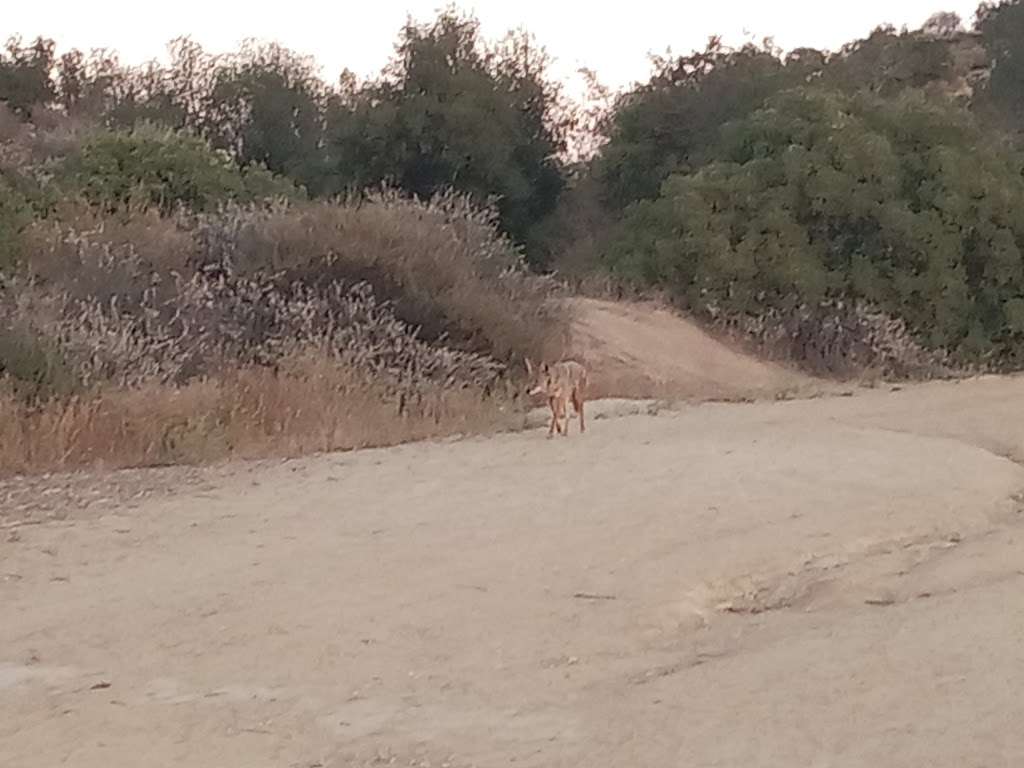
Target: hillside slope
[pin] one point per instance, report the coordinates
(642, 350)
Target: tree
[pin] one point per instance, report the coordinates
(25, 75)
(449, 112)
(263, 104)
(672, 122)
(888, 62)
(266, 107)
(905, 202)
(1002, 29)
(177, 96)
(99, 88)
(94, 88)
(71, 79)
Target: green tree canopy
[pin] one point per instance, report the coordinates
(671, 123)
(451, 113)
(1002, 29)
(26, 75)
(906, 202)
(265, 107)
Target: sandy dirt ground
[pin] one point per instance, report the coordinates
(829, 582)
(643, 348)
(823, 582)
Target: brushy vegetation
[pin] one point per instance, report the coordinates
(225, 255)
(820, 196)
(272, 328)
(308, 404)
(793, 196)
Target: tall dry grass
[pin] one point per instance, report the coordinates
(251, 413)
(843, 339)
(263, 330)
(308, 405)
(441, 265)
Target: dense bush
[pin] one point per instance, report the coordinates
(414, 294)
(905, 203)
(152, 166)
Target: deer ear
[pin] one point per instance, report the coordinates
(529, 366)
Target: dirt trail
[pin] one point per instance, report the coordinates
(644, 350)
(830, 582)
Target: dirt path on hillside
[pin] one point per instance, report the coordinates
(643, 350)
(833, 582)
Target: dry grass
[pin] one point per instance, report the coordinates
(441, 265)
(849, 340)
(138, 340)
(134, 336)
(309, 405)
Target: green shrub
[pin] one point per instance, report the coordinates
(905, 203)
(158, 167)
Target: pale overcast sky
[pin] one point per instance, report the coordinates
(611, 38)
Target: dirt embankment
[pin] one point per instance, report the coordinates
(642, 350)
